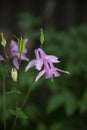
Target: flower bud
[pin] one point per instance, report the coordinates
(21, 45)
(42, 36)
(14, 74)
(3, 40)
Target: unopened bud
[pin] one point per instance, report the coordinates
(20, 45)
(41, 36)
(14, 74)
(3, 40)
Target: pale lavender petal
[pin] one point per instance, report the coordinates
(53, 58)
(39, 64)
(15, 62)
(13, 49)
(23, 57)
(48, 75)
(39, 53)
(25, 51)
(13, 45)
(25, 41)
(56, 74)
(30, 65)
(63, 71)
(39, 75)
(1, 58)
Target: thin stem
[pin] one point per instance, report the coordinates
(14, 124)
(4, 98)
(25, 100)
(27, 95)
(4, 103)
(15, 120)
(6, 60)
(41, 46)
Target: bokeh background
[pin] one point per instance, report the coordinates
(58, 105)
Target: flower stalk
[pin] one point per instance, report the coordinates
(4, 102)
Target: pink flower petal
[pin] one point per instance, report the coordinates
(63, 71)
(25, 41)
(56, 74)
(53, 58)
(15, 62)
(23, 57)
(39, 75)
(39, 64)
(30, 65)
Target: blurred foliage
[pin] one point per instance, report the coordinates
(26, 19)
(57, 105)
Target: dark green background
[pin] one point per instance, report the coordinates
(58, 105)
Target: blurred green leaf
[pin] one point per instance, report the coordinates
(55, 102)
(26, 19)
(18, 113)
(41, 126)
(32, 111)
(16, 91)
(57, 126)
(70, 103)
(83, 103)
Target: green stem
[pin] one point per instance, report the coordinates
(15, 120)
(27, 95)
(25, 100)
(14, 124)
(4, 103)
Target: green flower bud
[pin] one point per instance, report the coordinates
(3, 41)
(41, 36)
(14, 74)
(20, 45)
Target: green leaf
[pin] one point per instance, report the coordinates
(16, 91)
(70, 103)
(41, 126)
(18, 113)
(57, 126)
(32, 111)
(12, 112)
(55, 102)
(83, 103)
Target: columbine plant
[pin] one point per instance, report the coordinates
(43, 62)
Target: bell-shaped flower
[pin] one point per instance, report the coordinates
(15, 55)
(41, 56)
(49, 71)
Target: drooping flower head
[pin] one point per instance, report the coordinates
(41, 56)
(42, 60)
(49, 71)
(15, 55)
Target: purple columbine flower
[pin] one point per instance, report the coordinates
(49, 71)
(41, 56)
(15, 55)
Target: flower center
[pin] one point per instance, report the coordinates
(49, 65)
(39, 54)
